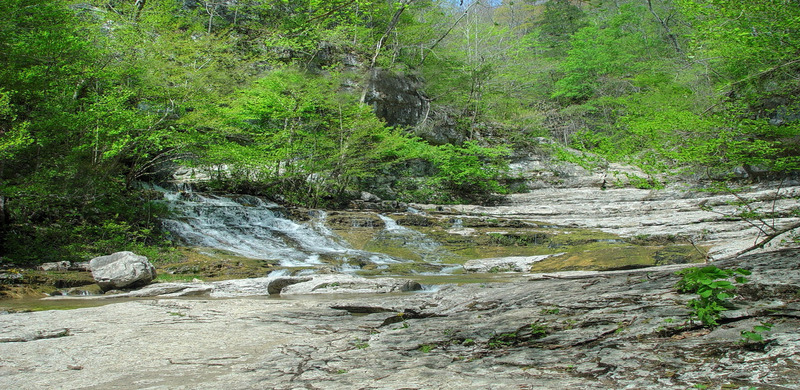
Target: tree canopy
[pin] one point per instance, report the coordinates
(99, 96)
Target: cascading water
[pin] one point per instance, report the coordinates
(427, 249)
(250, 227)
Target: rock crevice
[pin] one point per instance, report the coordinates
(622, 329)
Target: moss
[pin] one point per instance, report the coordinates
(467, 238)
(417, 220)
(608, 257)
(57, 279)
(164, 277)
(357, 237)
(394, 248)
(403, 269)
(31, 304)
(211, 264)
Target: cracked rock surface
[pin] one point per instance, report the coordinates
(630, 212)
(602, 330)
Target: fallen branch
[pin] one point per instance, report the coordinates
(766, 240)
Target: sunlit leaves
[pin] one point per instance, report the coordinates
(744, 37)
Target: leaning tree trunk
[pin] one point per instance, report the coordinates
(4, 220)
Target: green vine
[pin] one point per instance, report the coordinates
(713, 287)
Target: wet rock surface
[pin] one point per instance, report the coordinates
(504, 264)
(578, 330)
(269, 286)
(703, 217)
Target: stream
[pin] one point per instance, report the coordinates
(253, 228)
(425, 245)
(225, 237)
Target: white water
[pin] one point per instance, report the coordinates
(251, 227)
(429, 250)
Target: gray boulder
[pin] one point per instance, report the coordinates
(122, 270)
(55, 266)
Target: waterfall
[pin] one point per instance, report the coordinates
(251, 227)
(429, 250)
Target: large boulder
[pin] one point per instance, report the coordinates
(122, 270)
(397, 98)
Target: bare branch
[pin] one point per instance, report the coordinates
(430, 49)
(767, 239)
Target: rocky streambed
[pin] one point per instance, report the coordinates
(577, 330)
(707, 218)
(316, 323)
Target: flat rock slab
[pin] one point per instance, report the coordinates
(630, 212)
(333, 284)
(606, 330)
(505, 264)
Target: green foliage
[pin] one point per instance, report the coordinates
(743, 37)
(469, 168)
(603, 54)
(713, 289)
(97, 95)
(502, 340)
(644, 101)
(426, 348)
(538, 331)
(459, 173)
(301, 138)
(755, 335)
(560, 20)
(70, 138)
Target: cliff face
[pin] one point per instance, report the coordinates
(397, 98)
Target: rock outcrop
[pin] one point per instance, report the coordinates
(65, 266)
(504, 264)
(705, 218)
(397, 98)
(55, 266)
(599, 330)
(332, 284)
(122, 270)
(346, 284)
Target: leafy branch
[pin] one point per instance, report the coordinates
(712, 288)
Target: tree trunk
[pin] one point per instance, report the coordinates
(381, 41)
(667, 30)
(139, 7)
(4, 220)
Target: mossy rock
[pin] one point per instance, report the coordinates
(405, 269)
(416, 220)
(211, 264)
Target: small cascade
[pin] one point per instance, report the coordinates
(427, 249)
(73, 292)
(279, 272)
(251, 227)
